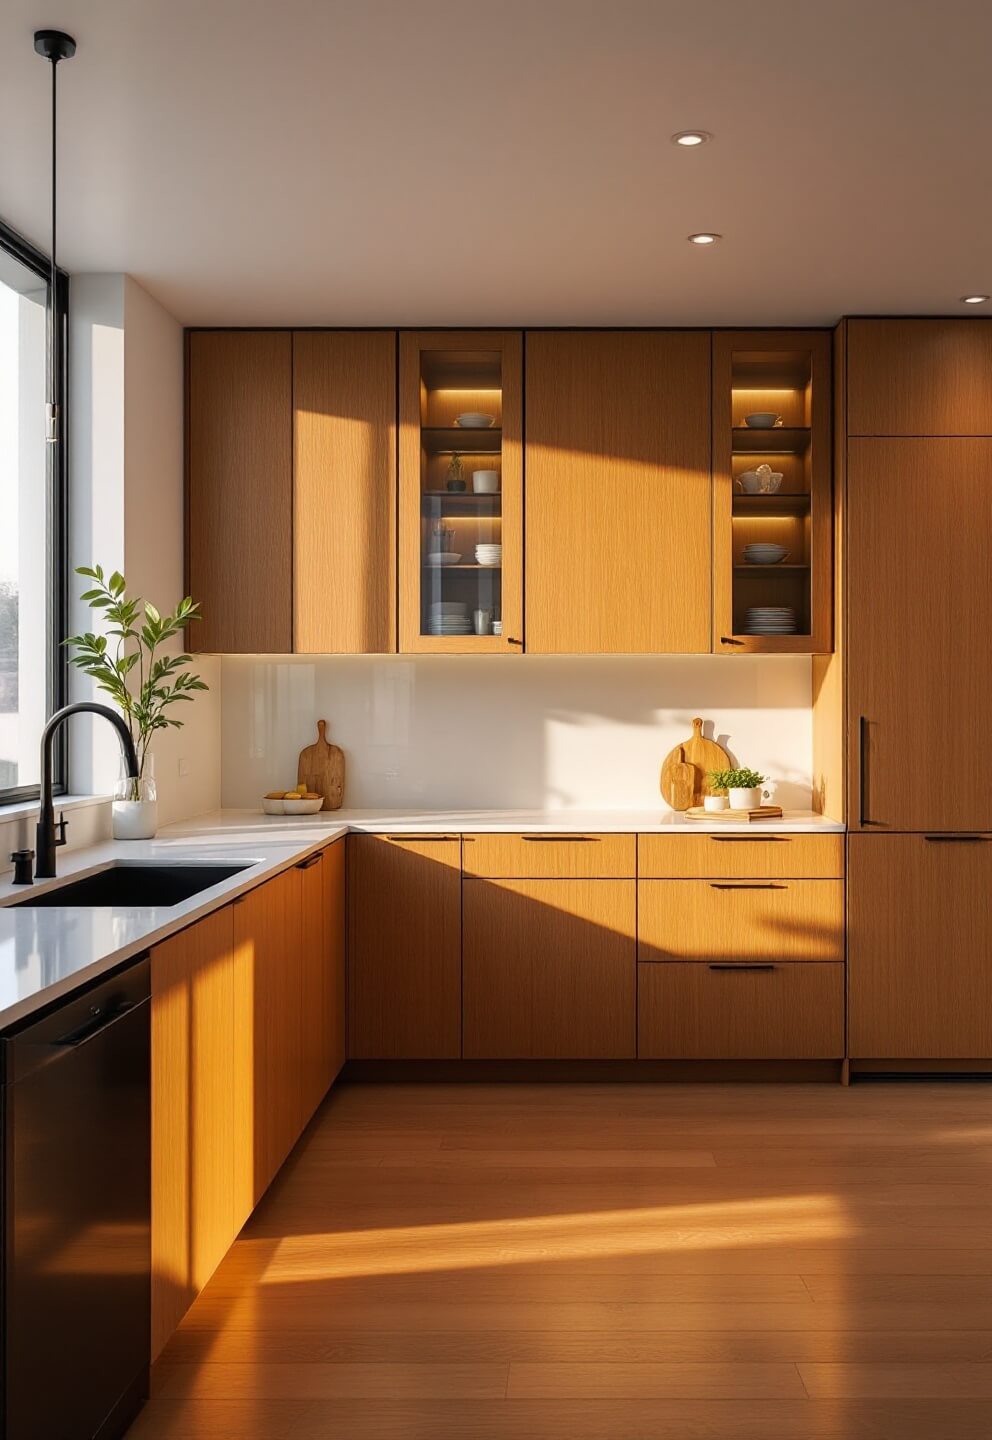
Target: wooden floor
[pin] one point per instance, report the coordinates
(619, 1262)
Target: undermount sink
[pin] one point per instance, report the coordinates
(145, 886)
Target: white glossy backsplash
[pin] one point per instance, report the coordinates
(557, 732)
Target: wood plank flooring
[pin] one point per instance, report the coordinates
(606, 1262)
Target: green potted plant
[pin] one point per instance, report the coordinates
(143, 684)
(741, 787)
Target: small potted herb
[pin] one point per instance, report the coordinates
(742, 788)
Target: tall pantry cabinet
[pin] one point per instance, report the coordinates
(919, 690)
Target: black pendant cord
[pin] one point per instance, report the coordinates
(53, 46)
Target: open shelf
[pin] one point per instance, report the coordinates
(780, 569)
(453, 440)
(771, 505)
(782, 440)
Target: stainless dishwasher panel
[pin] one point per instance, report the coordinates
(77, 1201)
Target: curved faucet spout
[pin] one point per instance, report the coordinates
(46, 841)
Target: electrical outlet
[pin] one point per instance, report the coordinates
(183, 767)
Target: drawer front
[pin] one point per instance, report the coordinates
(552, 856)
(744, 857)
(740, 920)
(549, 969)
(777, 1012)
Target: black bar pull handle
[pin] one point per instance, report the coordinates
(751, 839)
(742, 965)
(729, 640)
(746, 885)
(956, 839)
(422, 839)
(863, 770)
(311, 860)
(100, 1018)
(557, 839)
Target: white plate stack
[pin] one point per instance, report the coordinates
(491, 556)
(761, 553)
(770, 620)
(449, 617)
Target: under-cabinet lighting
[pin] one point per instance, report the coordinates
(704, 237)
(691, 138)
(973, 299)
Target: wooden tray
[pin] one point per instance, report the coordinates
(763, 812)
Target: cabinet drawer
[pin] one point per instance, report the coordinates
(741, 920)
(549, 969)
(744, 857)
(558, 857)
(778, 1012)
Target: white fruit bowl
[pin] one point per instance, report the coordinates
(302, 807)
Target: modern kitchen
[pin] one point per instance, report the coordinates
(495, 864)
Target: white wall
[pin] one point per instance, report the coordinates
(517, 732)
(126, 512)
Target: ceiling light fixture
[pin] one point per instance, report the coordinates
(973, 299)
(690, 138)
(53, 45)
(704, 237)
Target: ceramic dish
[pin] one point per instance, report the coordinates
(444, 557)
(762, 420)
(302, 807)
(475, 420)
(273, 807)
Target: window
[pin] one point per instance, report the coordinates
(32, 519)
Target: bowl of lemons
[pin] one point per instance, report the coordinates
(300, 801)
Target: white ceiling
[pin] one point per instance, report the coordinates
(454, 162)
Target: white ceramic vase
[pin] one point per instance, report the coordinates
(135, 807)
(714, 802)
(745, 799)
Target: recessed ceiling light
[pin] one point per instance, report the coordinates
(704, 237)
(689, 138)
(973, 299)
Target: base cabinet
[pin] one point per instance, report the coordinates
(404, 947)
(725, 1011)
(549, 969)
(920, 947)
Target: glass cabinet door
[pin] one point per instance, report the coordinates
(460, 492)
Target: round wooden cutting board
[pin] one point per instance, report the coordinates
(702, 755)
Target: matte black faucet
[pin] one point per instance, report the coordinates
(47, 841)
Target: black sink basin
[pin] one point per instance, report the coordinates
(145, 886)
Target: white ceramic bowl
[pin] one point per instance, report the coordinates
(273, 807)
(485, 482)
(302, 807)
(475, 420)
(444, 557)
(762, 420)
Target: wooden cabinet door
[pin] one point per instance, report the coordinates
(335, 929)
(193, 1219)
(920, 947)
(618, 491)
(239, 490)
(919, 377)
(314, 986)
(404, 947)
(549, 969)
(344, 491)
(919, 591)
(268, 1002)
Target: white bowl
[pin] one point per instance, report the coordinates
(273, 807)
(475, 420)
(443, 557)
(302, 807)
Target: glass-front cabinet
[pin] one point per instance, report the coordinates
(461, 494)
(772, 492)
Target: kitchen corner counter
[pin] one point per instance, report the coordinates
(46, 953)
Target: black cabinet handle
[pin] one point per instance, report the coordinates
(741, 965)
(99, 1019)
(558, 839)
(956, 839)
(511, 641)
(729, 640)
(311, 860)
(863, 771)
(751, 839)
(422, 839)
(745, 885)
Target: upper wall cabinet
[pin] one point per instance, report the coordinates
(344, 493)
(772, 493)
(618, 491)
(919, 377)
(461, 492)
(239, 497)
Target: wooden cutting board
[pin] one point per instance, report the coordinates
(702, 755)
(763, 812)
(321, 769)
(678, 779)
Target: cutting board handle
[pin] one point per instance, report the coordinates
(697, 727)
(322, 732)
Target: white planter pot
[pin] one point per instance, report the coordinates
(745, 799)
(135, 819)
(714, 802)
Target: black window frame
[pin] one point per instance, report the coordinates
(57, 508)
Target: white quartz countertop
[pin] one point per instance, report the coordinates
(46, 953)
